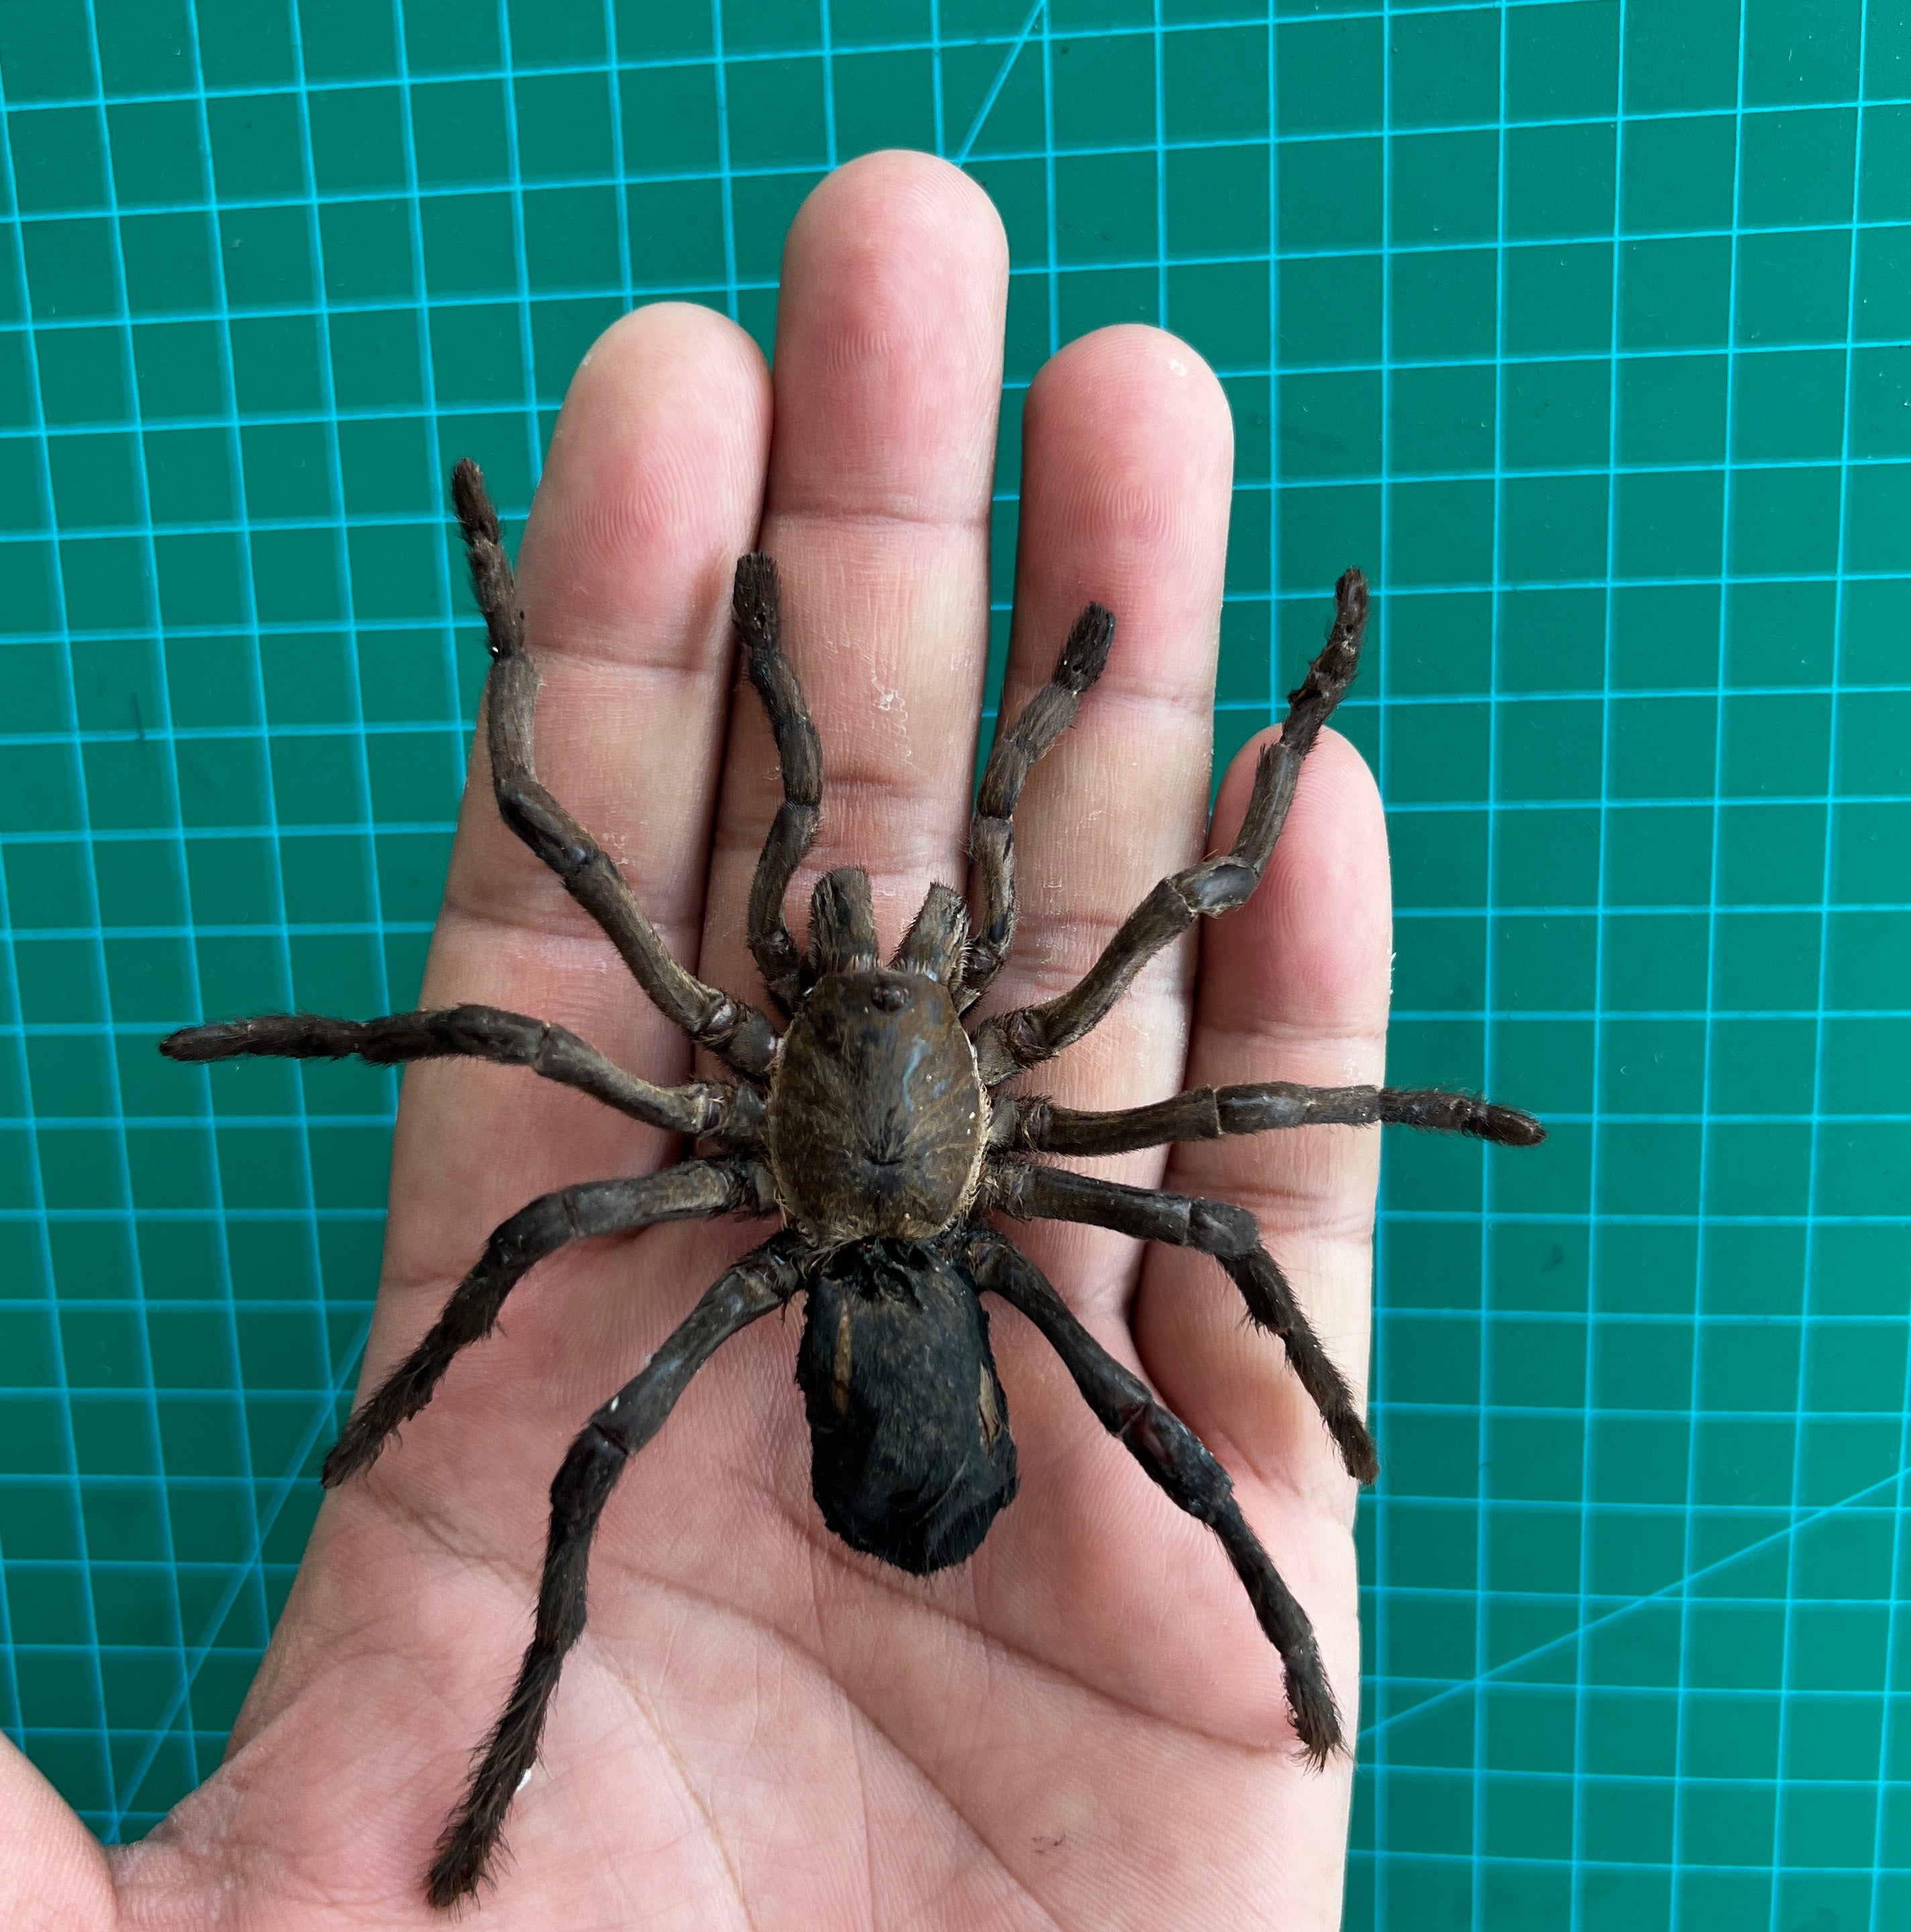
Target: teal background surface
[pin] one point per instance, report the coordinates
(1586, 325)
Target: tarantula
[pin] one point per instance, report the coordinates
(873, 1126)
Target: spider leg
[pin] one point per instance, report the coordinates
(1038, 1125)
(697, 1108)
(693, 1190)
(991, 835)
(759, 623)
(761, 1282)
(1215, 1228)
(1181, 1464)
(732, 1028)
(1029, 1035)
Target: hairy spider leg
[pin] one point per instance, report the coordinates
(1029, 1035)
(692, 1191)
(1184, 1467)
(1034, 1125)
(763, 1280)
(757, 606)
(1215, 1228)
(1011, 757)
(697, 1108)
(732, 1028)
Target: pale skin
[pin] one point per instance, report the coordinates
(1082, 1728)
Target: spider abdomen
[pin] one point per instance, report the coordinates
(876, 1116)
(911, 1457)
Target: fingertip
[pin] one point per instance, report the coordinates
(893, 197)
(654, 483)
(1128, 475)
(1131, 363)
(664, 356)
(889, 344)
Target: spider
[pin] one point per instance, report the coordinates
(874, 1126)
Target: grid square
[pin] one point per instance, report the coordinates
(883, 100)
(1560, 182)
(1562, 60)
(1329, 74)
(1680, 173)
(1681, 55)
(1446, 187)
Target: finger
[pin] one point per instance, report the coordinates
(1293, 986)
(1127, 470)
(889, 373)
(653, 484)
(55, 1872)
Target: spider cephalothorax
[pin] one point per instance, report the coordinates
(873, 1125)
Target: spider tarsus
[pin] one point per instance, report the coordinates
(1316, 1718)
(345, 1460)
(371, 1427)
(1285, 1625)
(1228, 1233)
(369, 1430)
(492, 582)
(1270, 1302)
(1442, 1110)
(1356, 1444)
(578, 1493)
(220, 1039)
(755, 599)
(1215, 886)
(1506, 1126)
(1313, 700)
(477, 515)
(1085, 656)
(1350, 599)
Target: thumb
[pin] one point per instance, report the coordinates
(53, 1872)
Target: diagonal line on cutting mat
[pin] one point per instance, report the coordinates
(996, 86)
(323, 1413)
(1664, 1593)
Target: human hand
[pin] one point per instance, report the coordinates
(1084, 1727)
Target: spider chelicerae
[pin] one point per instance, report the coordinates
(873, 1125)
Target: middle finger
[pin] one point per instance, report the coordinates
(887, 377)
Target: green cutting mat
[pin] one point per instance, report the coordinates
(1586, 325)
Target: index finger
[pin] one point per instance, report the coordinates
(653, 486)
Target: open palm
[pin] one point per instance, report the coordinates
(1082, 1726)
